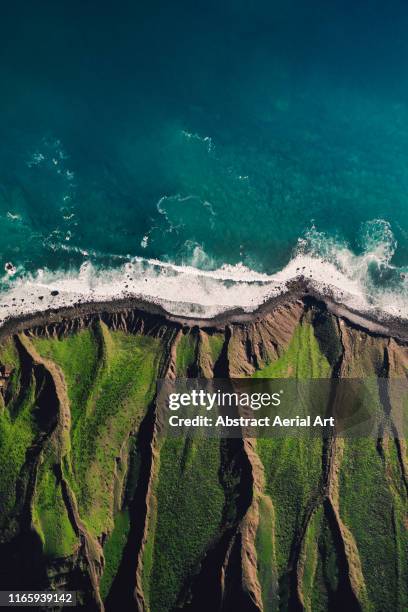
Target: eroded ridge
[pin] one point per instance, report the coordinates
(101, 503)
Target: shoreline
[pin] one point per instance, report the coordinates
(379, 324)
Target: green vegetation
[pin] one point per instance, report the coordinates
(292, 465)
(292, 471)
(190, 501)
(78, 357)
(326, 584)
(199, 485)
(9, 357)
(113, 550)
(18, 430)
(398, 491)
(367, 508)
(17, 434)
(50, 516)
(302, 359)
(265, 547)
(122, 368)
(320, 576)
(310, 561)
(215, 343)
(186, 354)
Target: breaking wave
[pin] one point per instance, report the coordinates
(366, 281)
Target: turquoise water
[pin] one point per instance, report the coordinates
(206, 134)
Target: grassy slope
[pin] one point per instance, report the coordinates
(373, 499)
(292, 465)
(190, 501)
(188, 505)
(50, 516)
(110, 379)
(18, 430)
(266, 552)
(186, 353)
(215, 343)
(375, 511)
(113, 550)
(77, 356)
(311, 562)
(322, 576)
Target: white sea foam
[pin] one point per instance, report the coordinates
(13, 216)
(329, 266)
(206, 140)
(188, 290)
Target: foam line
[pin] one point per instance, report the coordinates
(188, 291)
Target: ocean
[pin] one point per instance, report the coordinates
(203, 154)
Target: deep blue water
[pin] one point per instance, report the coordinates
(205, 133)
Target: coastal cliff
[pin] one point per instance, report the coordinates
(92, 499)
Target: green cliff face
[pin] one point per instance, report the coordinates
(96, 501)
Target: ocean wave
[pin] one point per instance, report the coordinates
(57, 245)
(206, 140)
(329, 266)
(13, 216)
(179, 217)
